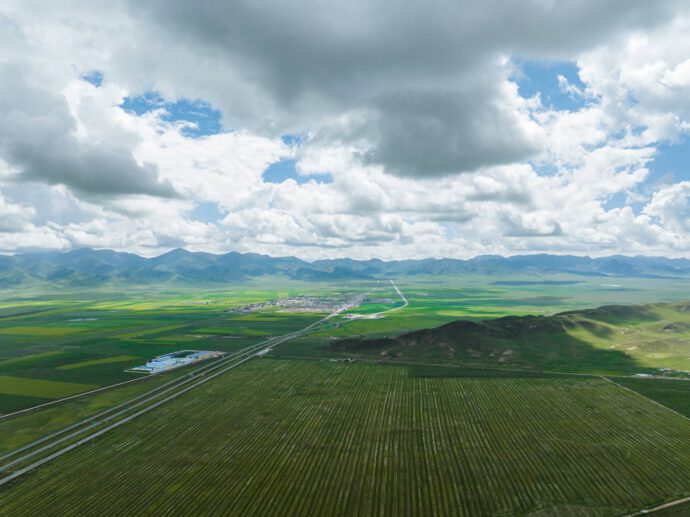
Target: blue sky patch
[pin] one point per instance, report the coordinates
(95, 77)
(292, 140)
(618, 200)
(544, 168)
(201, 113)
(542, 77)
(206, 212)
(670, 165)
(141, 104)
(671, 161)
(283, 170)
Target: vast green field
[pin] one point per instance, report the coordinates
(55, 345)
(21, 429)
(558, 425)
(673, 394)
(312, 437)
(86, 339)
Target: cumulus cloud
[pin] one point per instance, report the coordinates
(643, 80)
(39, 139)
(671, 205)
(438, 133)
(534, 224)
(412, 110)
(14, 217)
(422, 89)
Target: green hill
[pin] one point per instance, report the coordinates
(609, 339)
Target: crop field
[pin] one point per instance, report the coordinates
(54, 346)
(481, 297)
(674, 394)
(21, 429)
(39, 387)
(436, 301)
(91, 337)
(312, 437)
(94, 362)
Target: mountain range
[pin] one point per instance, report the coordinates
(87, 267)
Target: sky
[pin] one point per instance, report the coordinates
(390, 129)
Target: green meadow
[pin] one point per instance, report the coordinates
(89, 338)
(40, 387)
(561, 425)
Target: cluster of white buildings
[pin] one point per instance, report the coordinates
(296, 304)
(175, 360)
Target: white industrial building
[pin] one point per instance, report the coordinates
(175, 360)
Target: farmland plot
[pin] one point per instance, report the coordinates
(308, 438)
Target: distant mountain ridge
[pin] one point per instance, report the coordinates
(86, 267)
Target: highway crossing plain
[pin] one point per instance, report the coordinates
(269, 435)
(21, 461)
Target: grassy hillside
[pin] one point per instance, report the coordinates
(610, 339)
(311, 438)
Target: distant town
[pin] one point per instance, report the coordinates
(296, 304)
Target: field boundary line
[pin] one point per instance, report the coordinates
(647, 398)
(670, 504)
(223, 365)
(53, 402)
(91, 392)
(493, 369)
(131, 417)
(379, 362)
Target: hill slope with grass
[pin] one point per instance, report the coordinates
(609, 339)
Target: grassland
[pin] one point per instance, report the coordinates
(311, 437)
(91, 337)
(652, 339)
(39, 387)
(276, 436)
(88, 339)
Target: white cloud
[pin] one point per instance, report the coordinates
(643, 80)
(391, 119)
(14, 217)
(671, 206)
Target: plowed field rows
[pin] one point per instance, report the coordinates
(311, 438)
